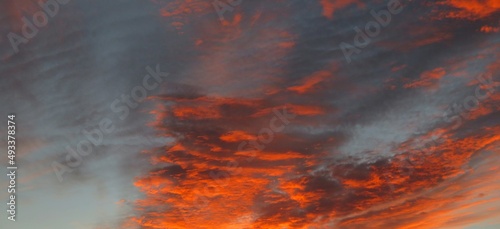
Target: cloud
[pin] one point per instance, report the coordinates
(369, 145)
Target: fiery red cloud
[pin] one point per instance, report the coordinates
(428, 79)
(471, 9)
(262, 143)
(331, 6)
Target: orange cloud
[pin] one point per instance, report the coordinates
(206, 180)
(474, 9)
(309, 83)
(489, 29)
(331, 6)
(428, 79)
(236, 136)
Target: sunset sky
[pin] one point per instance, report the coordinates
(234, 114)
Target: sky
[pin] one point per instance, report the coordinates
(280, 114)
